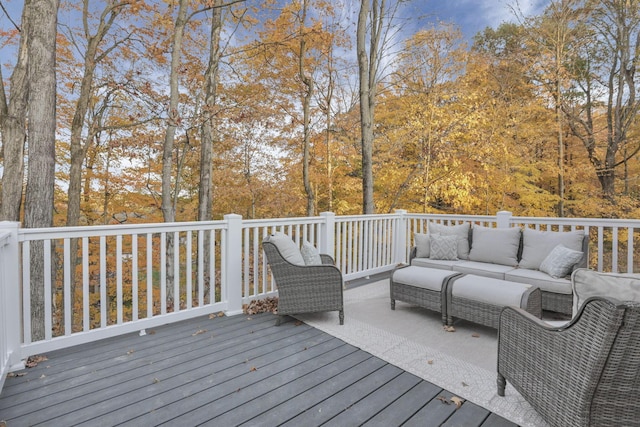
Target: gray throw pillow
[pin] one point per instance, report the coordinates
(423, 245)
(444, 247)
(310, 254)
(560, 261)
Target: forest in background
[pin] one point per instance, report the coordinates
(187, 110)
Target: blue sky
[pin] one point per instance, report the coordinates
(473, 16)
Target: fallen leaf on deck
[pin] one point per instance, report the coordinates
(43, 376)
(430, 361)
(443, 399)
(298, 323)
(253, 368)
(32, 361)
(13, 374)
(151, 332)
(464, 384)
(130, 352)
(156, 381)
(475, 335)
(458, 401)
(221, 314)
(198, 332)
(448, 328)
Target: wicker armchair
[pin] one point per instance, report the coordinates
(305, 288)
(586, 373)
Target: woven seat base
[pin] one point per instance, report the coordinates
(486, 313)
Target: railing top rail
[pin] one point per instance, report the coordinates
(343, 218)
(596, 222)
(452, 216)
(275, 222)
(25, 234)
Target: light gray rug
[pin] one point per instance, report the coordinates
(462, 362)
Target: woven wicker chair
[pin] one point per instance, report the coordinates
(586, 373)
(305, 288)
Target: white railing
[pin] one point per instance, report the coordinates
(102, 281)
(10, 355)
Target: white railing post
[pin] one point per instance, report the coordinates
(10, 303)
(233, 264)
(326, 245)
(503, 219)
(400, 237)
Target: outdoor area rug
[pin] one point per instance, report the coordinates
(461, 361)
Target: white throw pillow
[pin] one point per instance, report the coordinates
(423, 245)
(536, 245)
(287, 247)
(461, 231)
(588, 283)
(310, 254)
(444, 247)
(560, 261)
(495, 245)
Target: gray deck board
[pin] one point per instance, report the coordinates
(228, 371)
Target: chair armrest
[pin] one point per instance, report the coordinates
(327, 259)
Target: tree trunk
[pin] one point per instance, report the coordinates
(205, 191)
(307, 81)
(366, 109)
(13, 122)
(168, 201)
(42, 132)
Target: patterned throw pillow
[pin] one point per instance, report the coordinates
(560, 261)
(461, 231)
(444, 247)
(310, 254)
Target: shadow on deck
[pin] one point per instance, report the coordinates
(228, 371)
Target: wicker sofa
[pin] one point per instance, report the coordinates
(584, 373)
(544, 259)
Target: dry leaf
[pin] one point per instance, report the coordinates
(151, 332)
(464, 384)
(475, 335)
(253, 368)
(43, 376)
(198, 332)
(14, 374)
(298, 323)
(443, 399)
(449, 328)
(458, 401)
(156, 381)
(430, 361)
(32, 361)
(130, 352)
(221, 314)
(212, 316)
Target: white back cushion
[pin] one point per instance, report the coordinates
(287, 247)
(536, 245)
(495, 245)
(588, 283)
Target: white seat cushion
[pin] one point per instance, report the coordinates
(539, 279)
(489, 290)
(425, 278)
(434, 263)
(496, 271)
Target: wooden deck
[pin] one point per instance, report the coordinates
(228, 371)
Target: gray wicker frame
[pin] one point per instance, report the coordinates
(485, 313)
(305, 288)
(425, 298)
(586, 373)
